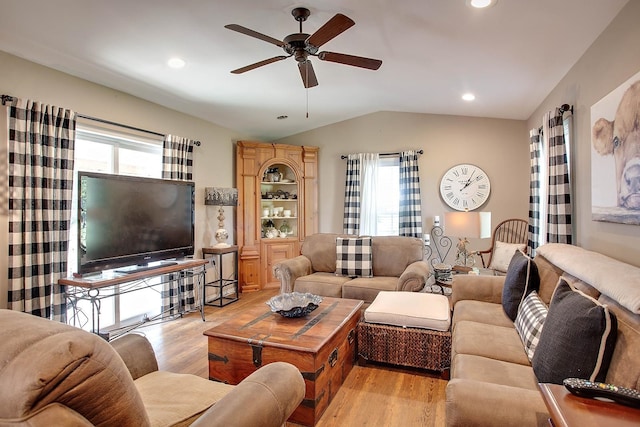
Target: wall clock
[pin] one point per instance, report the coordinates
(465, 187)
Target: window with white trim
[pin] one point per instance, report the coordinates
(116, 150)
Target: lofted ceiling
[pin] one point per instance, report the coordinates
(510, 55)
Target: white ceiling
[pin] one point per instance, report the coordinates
(510, 55)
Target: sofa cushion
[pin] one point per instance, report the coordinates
(410, 309)
(494, 371)
(178, 399)
(578, 338)
(502, 254)
(522, 278)
(320, 248)
(354, 257)
(481, 312)
(529, 322)
(477, 403)
(393, 254)
(493, 342)
(367, 289)
(324, 284)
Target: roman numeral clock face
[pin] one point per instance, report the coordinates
(465, 187)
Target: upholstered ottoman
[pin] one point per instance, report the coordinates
(407, 329)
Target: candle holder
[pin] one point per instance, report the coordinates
(438, 241)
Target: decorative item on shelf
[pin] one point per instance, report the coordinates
(285, 228)
(443, 273)
(272, 175)
(294, 304)
(217, 196)
(467, 225)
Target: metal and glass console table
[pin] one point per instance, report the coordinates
(109, 284)
(227, 288)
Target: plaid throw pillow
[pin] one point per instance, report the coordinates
(529, 321)
(354, 257)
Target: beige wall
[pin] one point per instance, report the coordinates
(611, 60)
(213, 160)
(500, 147)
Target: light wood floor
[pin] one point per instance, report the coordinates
(372, 395)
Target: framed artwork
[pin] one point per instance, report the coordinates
(615, 155)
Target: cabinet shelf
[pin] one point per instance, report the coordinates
(279, 200)
(278, 217)
(277, 183)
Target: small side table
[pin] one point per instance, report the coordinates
(568, 410)
(221, 284)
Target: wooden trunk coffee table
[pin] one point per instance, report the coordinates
(321, 345)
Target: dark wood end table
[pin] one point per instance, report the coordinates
(568, 410)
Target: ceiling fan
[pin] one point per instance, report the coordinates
(301, 45)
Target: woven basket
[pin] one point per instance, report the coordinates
(414, 347)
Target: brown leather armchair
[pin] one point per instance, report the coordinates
(56, 374)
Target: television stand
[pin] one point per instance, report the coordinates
(146, 267)
(109, 284)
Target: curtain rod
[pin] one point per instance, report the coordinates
(109, 122)
(9, 98)
(386, 154)
(562, 108)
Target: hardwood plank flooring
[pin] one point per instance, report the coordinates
(372, 395)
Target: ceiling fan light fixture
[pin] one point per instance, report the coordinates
(481, 4)
(468, 97)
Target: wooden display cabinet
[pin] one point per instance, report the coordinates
(273, 180)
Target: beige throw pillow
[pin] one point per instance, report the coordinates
(502, 254)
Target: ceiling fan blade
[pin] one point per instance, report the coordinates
(334, 26)
(251, 33)
(259, 64)
(356, 61)
(308, 75)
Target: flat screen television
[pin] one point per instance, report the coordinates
(132, 221)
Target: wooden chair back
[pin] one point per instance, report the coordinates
(508, 231)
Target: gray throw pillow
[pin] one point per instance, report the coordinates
(522, 278)
(578, 338)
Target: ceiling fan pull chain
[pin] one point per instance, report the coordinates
(307, 89)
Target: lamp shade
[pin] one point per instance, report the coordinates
(218, 196)
(468, 224)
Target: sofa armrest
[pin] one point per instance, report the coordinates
(265, 398)
(414, 276)
(137, 353)
(52, 414)
(478, 288)
(289, 270)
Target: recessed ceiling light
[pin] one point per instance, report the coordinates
(481, 4)
(468, 97)
(176, 63)
(282, 117)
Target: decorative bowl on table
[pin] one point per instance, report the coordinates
(294, 304)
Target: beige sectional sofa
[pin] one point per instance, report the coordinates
(397, 266)
(492, 381)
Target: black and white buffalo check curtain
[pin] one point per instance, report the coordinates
(41, 147)
(550, 206)
(559, 213)
(360, 206)
(360, 199)
(410, 213)
(535, 231)
(177, 164)
(351, 219)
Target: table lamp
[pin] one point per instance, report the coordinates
(467, 225)
(217, 196)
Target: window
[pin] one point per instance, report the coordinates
(388, 196)
(112, 149)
